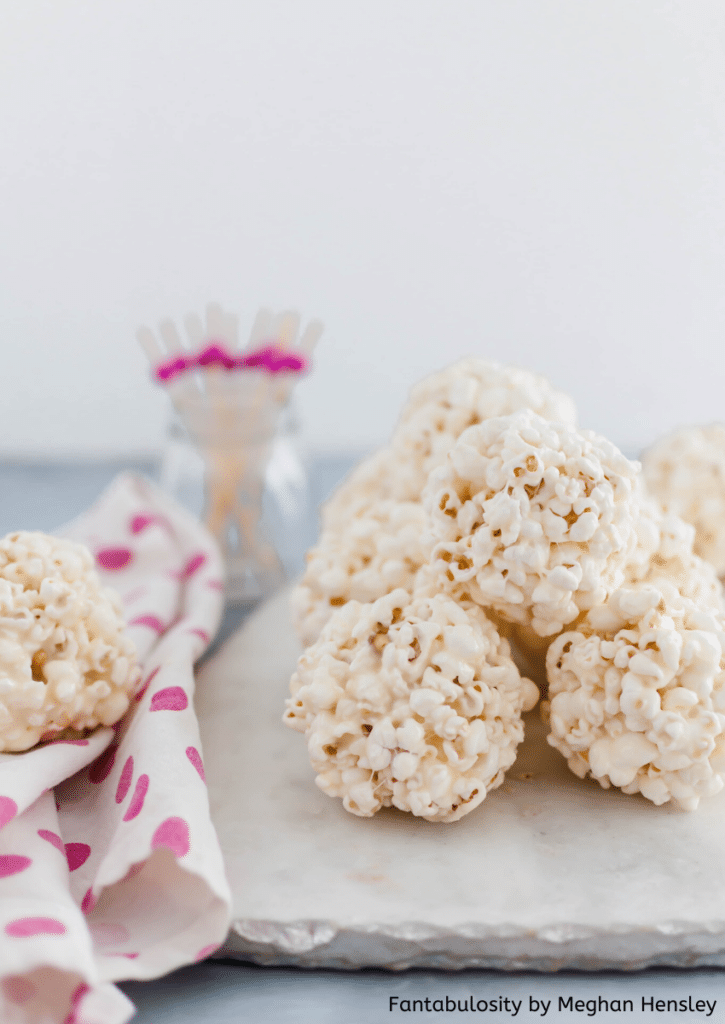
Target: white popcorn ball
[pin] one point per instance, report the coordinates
(637, 695)
(410, 701)
(438, 410)
(377, 477)
(533, 519)
(446, 403)
(65, 661)
(686, 472)
(481, 388)
(665, 553)
(381, 550)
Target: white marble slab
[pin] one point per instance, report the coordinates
(550, 872)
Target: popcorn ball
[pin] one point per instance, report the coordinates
(686, 472)
(527, 649)
(410, 701)
(375, 478)
(438, 410)
(382, 549)
(65, 662)
(446, 403)
(638, 695)
(482, 388)
(665, 553)
(533, 519)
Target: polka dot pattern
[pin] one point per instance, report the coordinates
(137, 800)
(143, 520)
(171, 698)
(194, 564)
(124, 782)
(75, 1004)
(8, 810)
(195, 757)
(77, 854)
(172, 834)
(88, 902)
(13, 864)
(140, 522)
(113, 559)
(136, 796)
(53, 838)
(152, 621)
(28, 927)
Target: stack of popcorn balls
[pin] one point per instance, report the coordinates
(492, 535)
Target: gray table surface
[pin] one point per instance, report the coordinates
(42, 497)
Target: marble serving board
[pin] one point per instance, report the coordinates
(550, 872)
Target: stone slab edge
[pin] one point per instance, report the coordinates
(416, 945)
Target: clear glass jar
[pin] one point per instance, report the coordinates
(233, 462)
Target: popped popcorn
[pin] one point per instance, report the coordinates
(440, 407)
(438, 410)
(410, 701)
(533, 519)
(637, 695)
(686, 472)
(65, 662)
(382, 549)
(664, 552)
(489, 500)
(374, 478)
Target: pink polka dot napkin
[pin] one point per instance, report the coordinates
(110, 867)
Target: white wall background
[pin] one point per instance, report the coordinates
(540, 181)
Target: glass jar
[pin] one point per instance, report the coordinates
(231, 458)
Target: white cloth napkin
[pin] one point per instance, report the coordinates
(110, 867)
